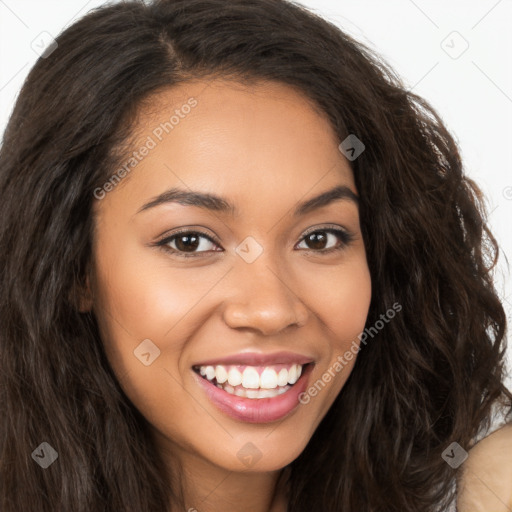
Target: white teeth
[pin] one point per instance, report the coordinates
(229, 377)
(251, 378)
(268, 379)
(255, 393)
(282, 378)
(292, 374)
(210, 372)
(221, 374)
(234, 377)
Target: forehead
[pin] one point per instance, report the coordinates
(262, 116)
(260, 138)
(243, 100)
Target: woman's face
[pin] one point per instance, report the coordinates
(261, 279)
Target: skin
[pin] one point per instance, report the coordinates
(265, 148)
(486, 483)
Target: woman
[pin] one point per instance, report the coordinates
(242, 269)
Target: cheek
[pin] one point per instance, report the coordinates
(342, 309)
(135, 302)
(340, 297)
(145, 297)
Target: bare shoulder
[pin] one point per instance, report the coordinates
(486, 481)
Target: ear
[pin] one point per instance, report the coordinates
(81, 295)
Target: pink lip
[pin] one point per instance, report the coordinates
(255, 359)
(254, 410)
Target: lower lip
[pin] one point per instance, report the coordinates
(256, 410)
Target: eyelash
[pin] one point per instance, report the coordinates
(343, 235)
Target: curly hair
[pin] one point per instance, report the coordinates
(430, 378)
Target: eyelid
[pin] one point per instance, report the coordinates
(323, 227)
(188, 229)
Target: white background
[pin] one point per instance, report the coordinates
(471, 90)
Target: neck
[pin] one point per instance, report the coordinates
(213, 489)
(206, 487)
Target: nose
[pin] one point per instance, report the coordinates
(263, 300)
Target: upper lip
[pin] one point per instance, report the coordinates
(258, 359)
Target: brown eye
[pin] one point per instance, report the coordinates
(195, 243)
(324, 240)
(317, 240)
(188, 243)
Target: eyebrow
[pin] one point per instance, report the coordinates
(216, 203)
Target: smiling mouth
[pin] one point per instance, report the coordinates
(254, 382)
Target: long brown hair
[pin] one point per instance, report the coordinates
(428, 379)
